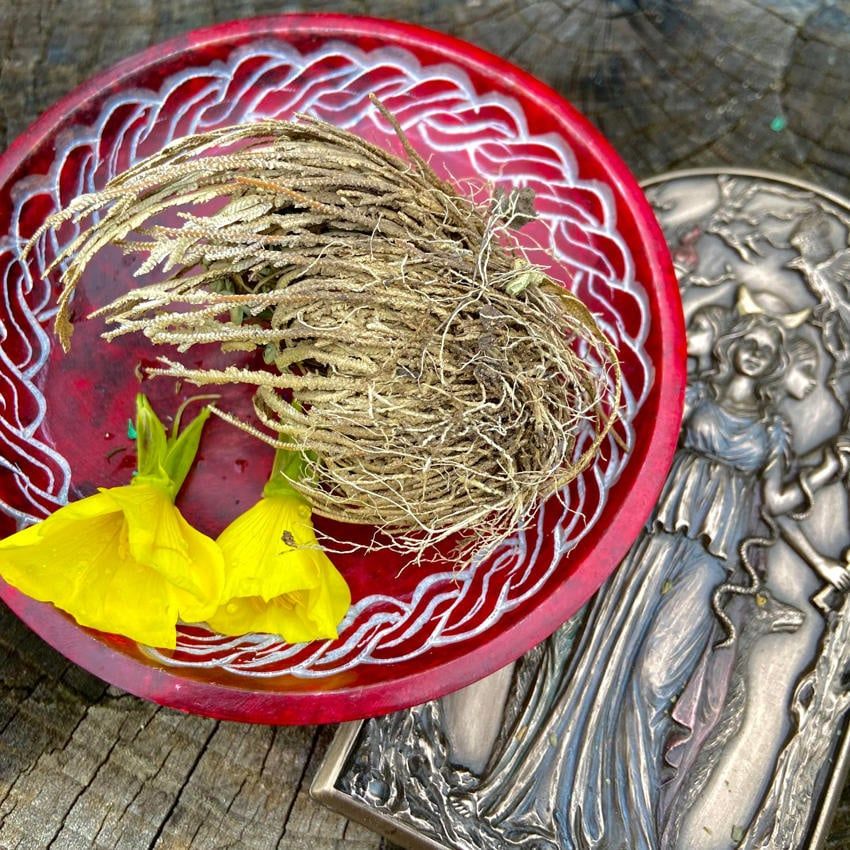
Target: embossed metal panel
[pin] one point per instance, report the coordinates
(700, 700)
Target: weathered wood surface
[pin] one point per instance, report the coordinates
(748, 83)
(85, 765)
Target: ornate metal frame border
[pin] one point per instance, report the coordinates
(325, 791)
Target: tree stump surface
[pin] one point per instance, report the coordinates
(736, 83)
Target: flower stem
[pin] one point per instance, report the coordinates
(289, 465)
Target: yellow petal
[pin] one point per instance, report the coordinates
(129, 599)
(244, 615)
(46, 562)
(122, 561)
(274, 587)
(329, 602)
(207, 568)
(259, 561)
(90, 507)
(153, 531)
(160, 537)
(284, 616)
(25, 537)
(84, 568)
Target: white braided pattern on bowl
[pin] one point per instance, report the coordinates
(441, 112)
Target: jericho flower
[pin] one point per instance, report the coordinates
(277, 578)
(124, 560)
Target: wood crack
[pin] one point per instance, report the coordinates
(298, 786)
(83, 786)
(152, 844)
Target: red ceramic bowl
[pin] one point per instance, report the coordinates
(480, 120)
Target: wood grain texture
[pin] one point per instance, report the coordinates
(747, 83)
(83, 765)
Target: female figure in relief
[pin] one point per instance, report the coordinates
(591, 779)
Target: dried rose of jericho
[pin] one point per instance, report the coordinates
(438, 381)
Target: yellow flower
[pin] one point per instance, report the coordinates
(125, 560)
(277, 578)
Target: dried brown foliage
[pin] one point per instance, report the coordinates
(437, 380)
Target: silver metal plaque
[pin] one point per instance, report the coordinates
(699, 701)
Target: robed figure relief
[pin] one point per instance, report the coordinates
(692, 702)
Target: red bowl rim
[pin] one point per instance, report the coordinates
(225, 701)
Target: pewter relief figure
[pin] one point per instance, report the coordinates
(694, 701)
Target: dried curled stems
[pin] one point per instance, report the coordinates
(439, 382)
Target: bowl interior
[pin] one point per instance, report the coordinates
(413, 633)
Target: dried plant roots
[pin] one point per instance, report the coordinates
(439, 383)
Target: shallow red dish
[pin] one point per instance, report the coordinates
(63, 419)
